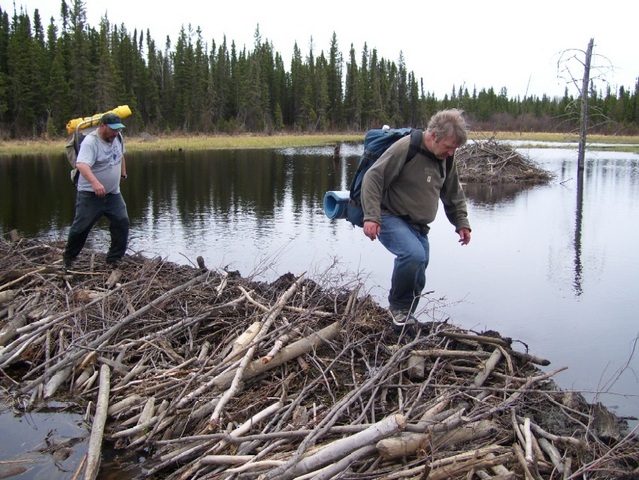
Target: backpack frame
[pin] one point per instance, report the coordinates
(376, 142)
(72, 148)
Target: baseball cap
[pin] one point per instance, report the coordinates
(112, 121)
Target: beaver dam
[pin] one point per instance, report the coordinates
(208, 375)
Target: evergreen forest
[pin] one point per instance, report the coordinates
(51, 73)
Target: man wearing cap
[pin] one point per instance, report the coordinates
(101, 165)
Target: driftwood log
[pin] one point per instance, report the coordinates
(212, 375)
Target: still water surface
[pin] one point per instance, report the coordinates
(558, 275)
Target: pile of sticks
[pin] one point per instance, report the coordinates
(215, 376)
(488, 161)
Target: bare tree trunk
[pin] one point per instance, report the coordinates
(97, 429)
(584, 109)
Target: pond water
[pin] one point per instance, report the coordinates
(556, 271)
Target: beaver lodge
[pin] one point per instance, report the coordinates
(492, 162)
(203, 374)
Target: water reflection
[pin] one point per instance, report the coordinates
(487, 195)
(578, 224)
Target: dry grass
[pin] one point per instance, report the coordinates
(148, 142)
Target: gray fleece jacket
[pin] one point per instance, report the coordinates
(412, 190)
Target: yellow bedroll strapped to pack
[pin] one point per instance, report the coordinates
(122, 111)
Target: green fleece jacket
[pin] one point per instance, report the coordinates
(412, 190)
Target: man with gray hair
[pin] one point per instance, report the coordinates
(400, 200)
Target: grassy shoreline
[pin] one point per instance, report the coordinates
(220, 142)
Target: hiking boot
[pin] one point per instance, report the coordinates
(401, 318)
(67, 263)
(114, 263)
(403, 322)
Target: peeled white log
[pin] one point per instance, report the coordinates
(114, 278)
(254, 420)
(124, 405)
(408, 444)
(243, 341)
(223, 283)
(139, 427)
(416, 367)
(90, 381)
(528, 441)
(252, 301)
(277, 346)
(489, 366)
(467, 433)
(54, 382)
(7, 296)
(439, 407)
(553, 453)
(500, 470)
(339, 449)
(483, 474)
(10, 330)
(83, 377)
(147, 411)
(97, 429)
(145, 417)
(401, 445)
(89, 359)
(86, 296)
(204, 352)
(519, 454)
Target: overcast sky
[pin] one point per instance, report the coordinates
(470, 43)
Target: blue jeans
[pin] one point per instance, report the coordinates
(88, 210)
(411, 250)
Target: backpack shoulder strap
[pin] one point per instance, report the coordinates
(77, 140)
(415, 144)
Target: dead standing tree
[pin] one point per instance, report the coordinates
(583, 84)
(583, 130)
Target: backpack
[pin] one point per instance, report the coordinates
(72, 148)
(376, 142)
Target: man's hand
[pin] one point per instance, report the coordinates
(99, 189)
(371, 229)
(464, 236)
(86, 172)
